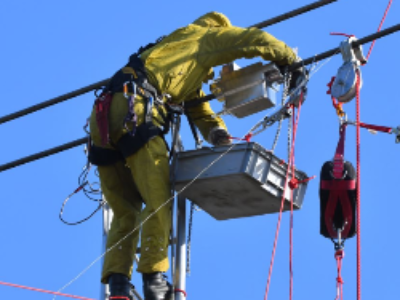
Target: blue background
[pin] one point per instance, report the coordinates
(49, 48)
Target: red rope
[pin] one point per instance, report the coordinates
(43, 291)
(291, 202)
(358, 190)
(344, 34)
(379, 28)
(246, 138)
(291, 159)
(181, 291)
(339, 281)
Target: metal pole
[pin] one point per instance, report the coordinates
(293, 13)
(179, 267)
(107, 219)
(180, 270)
(53, 101)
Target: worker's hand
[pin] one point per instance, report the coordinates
(219, 137)
(298, 75)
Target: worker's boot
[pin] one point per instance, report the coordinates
(156, 287)
(120, 287)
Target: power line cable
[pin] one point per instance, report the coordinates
(102, 83)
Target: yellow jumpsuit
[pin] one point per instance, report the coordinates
(177, 66)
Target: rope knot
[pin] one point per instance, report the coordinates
(294, 182)
(246, 138)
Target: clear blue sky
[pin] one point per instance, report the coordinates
(52, 47)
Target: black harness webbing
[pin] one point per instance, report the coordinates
(128, 144)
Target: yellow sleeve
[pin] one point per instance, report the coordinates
(203, 117)
(224, 45)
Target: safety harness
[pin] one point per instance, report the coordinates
(132, 80)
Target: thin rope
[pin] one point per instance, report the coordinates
(43, 291)
(358, 190)
(281, 210)
(295, 124)
(379, 28)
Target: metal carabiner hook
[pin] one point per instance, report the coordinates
(127, 91)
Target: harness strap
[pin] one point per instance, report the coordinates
(102, 104)
(127, 145)
(338, 193)
(338, 160)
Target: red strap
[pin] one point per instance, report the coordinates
(376, 127)
(338, 160)
(338, 184)
(338, 193)
(119, 297)
(103, 104)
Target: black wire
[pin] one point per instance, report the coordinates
(83, 182)
(101, 204)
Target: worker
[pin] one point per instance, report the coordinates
(129, 148)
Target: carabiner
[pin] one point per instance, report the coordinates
(132, 90)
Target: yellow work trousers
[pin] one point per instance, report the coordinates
(142, 178)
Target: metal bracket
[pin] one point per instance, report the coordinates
(283, 113)
(396, 131)
(350, 54)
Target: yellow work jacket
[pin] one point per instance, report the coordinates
(184, 59)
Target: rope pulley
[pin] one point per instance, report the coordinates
(344, 85)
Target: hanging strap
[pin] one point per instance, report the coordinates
(338, 160)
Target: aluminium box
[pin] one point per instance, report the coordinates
(246, 181)
(248, 90)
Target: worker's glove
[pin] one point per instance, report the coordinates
(219, 137)
(297, 76)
